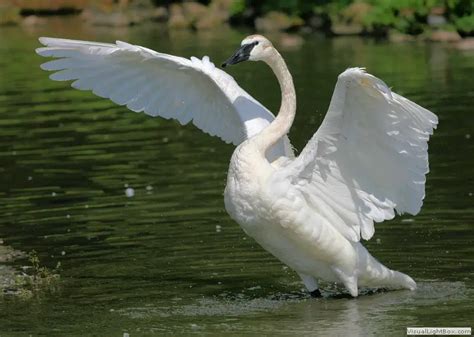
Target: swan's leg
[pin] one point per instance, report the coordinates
(311, 284)
(351, 285)
(316, 294)
(349, 281)
(375, 274)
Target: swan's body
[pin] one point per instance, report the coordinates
(368, 158)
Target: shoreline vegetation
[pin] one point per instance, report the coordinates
(27, 277)
(398, 21)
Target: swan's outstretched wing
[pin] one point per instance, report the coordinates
(368, 158)
(160, 85)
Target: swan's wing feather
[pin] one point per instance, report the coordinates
(159, 85)
(368, 158)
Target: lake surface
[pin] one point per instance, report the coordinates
(169, 261)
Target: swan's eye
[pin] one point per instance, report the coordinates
(256, 42)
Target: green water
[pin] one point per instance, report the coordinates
(169, 261)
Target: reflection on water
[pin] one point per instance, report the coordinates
(168, 259)
(299, 314)
(246, 303)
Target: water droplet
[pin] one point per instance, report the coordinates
(53, 194)
(149, 188)
(68, 216)
(63, 253)
(129, 192)
(467, 135)
(30, 178)
(218, 228)
(255, 288)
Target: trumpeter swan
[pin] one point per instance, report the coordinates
(368, 158)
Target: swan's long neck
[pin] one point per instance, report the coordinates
(282, 123)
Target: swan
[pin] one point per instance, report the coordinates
(367, 160)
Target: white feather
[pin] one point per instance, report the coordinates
(369, 157)
(161, 85)
(367, 161)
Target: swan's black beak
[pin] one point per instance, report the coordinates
(242, 54)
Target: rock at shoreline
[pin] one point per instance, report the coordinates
(208, 22)
(194, 11)
(34, 20)
(221, 9)
(26, 281)
(350, 20)
(435, 36)
(319, 22)
(465, 44)
(277, 21)
(49, 6)
(177, 18)
(8, 254)
(444, 36)
(345, 29)
(160, 14)
(396, 37)
(287, 41)
(113, 19)
(195, 15)
(125, 13)
(9, 15)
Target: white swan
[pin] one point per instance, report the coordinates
(368, 158)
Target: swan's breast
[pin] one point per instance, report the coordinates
(275, 213)
(242, 194)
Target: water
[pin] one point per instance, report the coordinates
(132, 206)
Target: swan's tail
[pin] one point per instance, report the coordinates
(400, 280)
(375, 274)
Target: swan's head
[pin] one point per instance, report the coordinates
(252, 48)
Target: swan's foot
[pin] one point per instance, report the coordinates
(316, 293)
(375, 291)
(311, 284)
